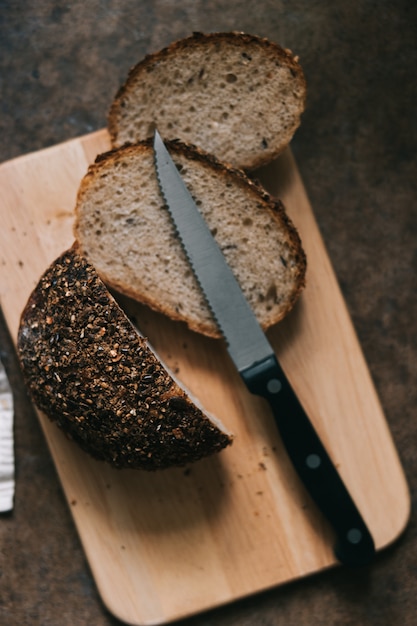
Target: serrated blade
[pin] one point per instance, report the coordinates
(6, 444)
(246, 342)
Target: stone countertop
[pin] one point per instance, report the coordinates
(61, 64)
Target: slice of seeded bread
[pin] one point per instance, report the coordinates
(89, 370)
(124, 229)
(236, 96)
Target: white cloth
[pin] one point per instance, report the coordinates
(6, 444)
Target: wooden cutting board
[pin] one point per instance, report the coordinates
(167, 545)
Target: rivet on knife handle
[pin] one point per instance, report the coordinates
(257, 364)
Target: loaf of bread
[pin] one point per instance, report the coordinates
(126, 232)
(237, 96)
(90, 371)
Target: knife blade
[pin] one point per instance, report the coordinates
(258, 365)
(7, 484)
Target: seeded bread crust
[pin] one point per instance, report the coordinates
(124, 229)
(237, 96)
(92, 374)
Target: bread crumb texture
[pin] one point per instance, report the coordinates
(124, 229)
(90, 372)
(237, 96)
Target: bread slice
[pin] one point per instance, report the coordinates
(123, 228)
(237, 96)
(91, 372)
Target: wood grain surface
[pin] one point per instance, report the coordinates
(166, 545)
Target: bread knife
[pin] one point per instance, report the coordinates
(6, 444)
(259, 368)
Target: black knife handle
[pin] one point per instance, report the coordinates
(354, 545)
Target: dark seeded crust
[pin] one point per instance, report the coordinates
(237, 177)
(239, 39)
(92, 374)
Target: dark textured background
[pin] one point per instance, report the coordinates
(60, 66)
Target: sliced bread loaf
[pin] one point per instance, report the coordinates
(237, 96)
(89, 370)
(125, 231)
